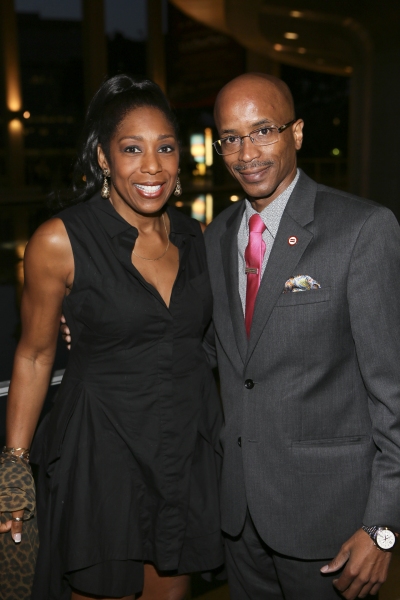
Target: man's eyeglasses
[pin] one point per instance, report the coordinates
(260, 137)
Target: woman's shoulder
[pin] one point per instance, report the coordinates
(49, 240)
(77, 211)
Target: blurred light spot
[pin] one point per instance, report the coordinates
(197, 148)
(296, 14)
(201, 169)
(336, 121)
(179, 204)
(15, 125)
(291, 35)
(301, 50)
(208, 146)
(209, 208)
(234, 198)
(278, 47)
(199, 208)
(20, 249)
(336, 152)
(348, 69)
(26, 114)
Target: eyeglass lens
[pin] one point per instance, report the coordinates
(261, 137)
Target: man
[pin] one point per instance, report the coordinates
(306, 313)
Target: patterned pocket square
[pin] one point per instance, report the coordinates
(301, 283)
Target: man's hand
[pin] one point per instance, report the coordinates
(65, 332)
(367, 567)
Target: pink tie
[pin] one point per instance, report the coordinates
(253, 255)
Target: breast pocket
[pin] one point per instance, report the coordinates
(305, 297)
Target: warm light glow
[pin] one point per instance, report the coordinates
(278, 47)
(197, 148)
(199, 208)
(201, 167)
(336, 121)
(26, 114)
(349, 69)
(14, 103)
(208, 146)
(20, 248)
(291, 35)
(15, 126)
(209, 208)
(234, 198)
(179, 204)
(301, 50)
(296, 14)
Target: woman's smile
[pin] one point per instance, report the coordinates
(149, 190)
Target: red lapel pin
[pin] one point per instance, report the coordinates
(292, 241)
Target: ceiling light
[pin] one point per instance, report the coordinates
(291, 35)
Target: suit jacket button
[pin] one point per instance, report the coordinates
(249, 384)
(240, 442)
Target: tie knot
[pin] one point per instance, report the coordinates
(256, 224)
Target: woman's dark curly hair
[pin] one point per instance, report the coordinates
(113, 100)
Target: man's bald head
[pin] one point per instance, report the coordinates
(252, 85)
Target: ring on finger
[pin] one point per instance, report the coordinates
(17, 519)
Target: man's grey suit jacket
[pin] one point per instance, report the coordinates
(320, 429)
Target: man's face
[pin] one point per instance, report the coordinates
(263, 171)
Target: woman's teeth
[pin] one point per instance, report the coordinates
(148, 188)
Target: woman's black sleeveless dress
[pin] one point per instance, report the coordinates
(130, 464)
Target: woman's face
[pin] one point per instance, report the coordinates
(144, 159)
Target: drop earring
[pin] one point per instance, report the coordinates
(178, 188)
(105, 190)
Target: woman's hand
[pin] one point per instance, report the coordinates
(65, 332)
(15, 526)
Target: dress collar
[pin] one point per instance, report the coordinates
(114, 224)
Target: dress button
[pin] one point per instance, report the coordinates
(240, 442)
(249, 384)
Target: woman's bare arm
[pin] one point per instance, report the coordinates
(49, 270)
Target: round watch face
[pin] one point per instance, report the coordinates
(385, 539)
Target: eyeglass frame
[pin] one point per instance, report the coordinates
(241, 137)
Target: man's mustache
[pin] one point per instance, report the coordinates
(253, 165)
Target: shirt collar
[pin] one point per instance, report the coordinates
(271, 215)
(114, 224)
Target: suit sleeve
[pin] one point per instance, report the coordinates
(374, 304)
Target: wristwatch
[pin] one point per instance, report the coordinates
(383, 537)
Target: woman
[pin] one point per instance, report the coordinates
(130, 487)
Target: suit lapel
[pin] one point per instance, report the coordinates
(229, 249)
(284, 257)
